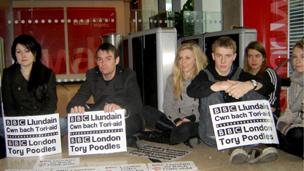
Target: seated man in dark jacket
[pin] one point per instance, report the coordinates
(112, 88)
(222, 82)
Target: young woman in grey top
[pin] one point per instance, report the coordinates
(179, 121)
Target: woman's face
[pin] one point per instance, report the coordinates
(255, 60)
(298, 59)
(186, 61)
(24, 56)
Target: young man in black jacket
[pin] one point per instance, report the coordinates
(223, 82)
(112, 87)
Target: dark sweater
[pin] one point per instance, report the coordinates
(122, 90)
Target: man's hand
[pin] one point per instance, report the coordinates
(221, 86)
(239, 88)
(110, 107)
(77, 109)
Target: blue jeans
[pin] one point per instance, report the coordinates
(62, 121)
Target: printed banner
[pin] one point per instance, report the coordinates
(97, 132)
(32, 135)
(243, 123)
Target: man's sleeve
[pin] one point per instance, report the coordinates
(200, 86)
(82, 95)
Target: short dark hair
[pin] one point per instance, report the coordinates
(225, 42)
(30, 43)
(108, 47)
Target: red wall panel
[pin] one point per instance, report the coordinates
(270, 18)
(46, 26)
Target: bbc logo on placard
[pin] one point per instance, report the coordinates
(85, 139)
(79, 118)
(224, 109)
(229, 131)
(15, 122)
(17, 143)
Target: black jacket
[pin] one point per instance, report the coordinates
(19, 101)
(200, 85)
(122, 90)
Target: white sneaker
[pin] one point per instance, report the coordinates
(266, 155)
(238, 156)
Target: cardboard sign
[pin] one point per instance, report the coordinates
(125, 167)
(56, 163)
(97, 132)
(243, 123)
(169, 166)
(32, 135)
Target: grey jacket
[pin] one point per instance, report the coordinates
(179, 108)
(122, 90)
(293, 115)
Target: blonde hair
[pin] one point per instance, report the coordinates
(178, 76)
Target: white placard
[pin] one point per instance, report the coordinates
(56, 163)
(97, 132)
(126, 167)
(32, 135)
(243, 123)
(170, 166)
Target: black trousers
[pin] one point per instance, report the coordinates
(292, 142)
(169, 132)
(134, 125)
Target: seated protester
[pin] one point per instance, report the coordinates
(28, 87)
(222, 82)
(255, 64)
(291, 122)
(180, 120)
(112, 88)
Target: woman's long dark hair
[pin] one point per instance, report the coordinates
(260, 48)
(39, 76)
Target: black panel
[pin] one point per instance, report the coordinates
(150, 71)
(137, 50)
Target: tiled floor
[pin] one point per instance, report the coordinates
(204, 157)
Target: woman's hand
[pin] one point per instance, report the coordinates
(183, 120)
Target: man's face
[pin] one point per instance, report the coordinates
(223, 58)
(107, 62)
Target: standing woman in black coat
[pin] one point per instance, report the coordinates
(28, 86)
